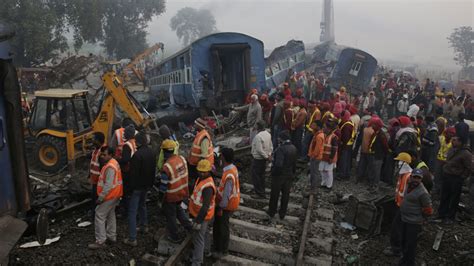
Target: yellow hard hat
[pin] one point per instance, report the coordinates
(204, 166)
(168, 144)
(403, 156)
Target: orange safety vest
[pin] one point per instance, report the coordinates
(400, 188)
(234, 199)
(196, 152)
(316, 148)
(94, 168)
(195, 202)
(120, 136)
(177, 169)
(117, 187)
(316, 115)
(353, 134)
(133, 146)
(327, 147)
(372, 143)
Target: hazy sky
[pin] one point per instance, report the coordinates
(407, 30)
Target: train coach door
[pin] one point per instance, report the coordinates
(231, 72)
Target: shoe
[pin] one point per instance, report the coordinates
(129, 242)
(282, 217)
(97, 245)
(111, 241)
(269, 217)
(217, 255)
(390, 253)
(144, 229)
(207, 254)
(448, 221)
(257, 196)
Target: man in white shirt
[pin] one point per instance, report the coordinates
(262, 149)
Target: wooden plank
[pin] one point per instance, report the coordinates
(179, 252)
(307, 222)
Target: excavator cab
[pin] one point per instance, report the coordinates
(58, 116)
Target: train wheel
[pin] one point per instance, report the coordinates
(51, 153)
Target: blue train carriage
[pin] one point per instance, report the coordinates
(346, 66)
(14, 186)
(281, 60)
(354, 68)
(213, 71)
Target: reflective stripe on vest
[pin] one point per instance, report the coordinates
(195, 201)
(421, 165)
(195, 155)
(117, 188)
(327, 147)
(177, 169)
(353, 133)
(311, 120)
(120, 137)
(234, 198)
(132, 145)
(372, 143)
(400, 188)
(94, 169)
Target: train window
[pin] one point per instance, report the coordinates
(268, 72)
(174, 63)
(179, 77)
(275, 68)
(181, 61)
(188, 75)
(285, 64)
(355, 68)
(187, 60)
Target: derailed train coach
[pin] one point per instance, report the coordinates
(214, 71)
(344, 66)
(284, 59)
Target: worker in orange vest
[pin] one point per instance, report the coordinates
(98, 140)
(202, 149)
(227, 201)
(118, 138)
(201, 208)
(174, 185)
(404, 159)
(109, 192)
(330, 149)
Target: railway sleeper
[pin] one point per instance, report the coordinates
(289, 220)
(291, 206)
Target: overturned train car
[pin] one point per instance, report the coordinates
(284, 59)
(344, 66)
(214, 71)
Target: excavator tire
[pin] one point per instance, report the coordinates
(50, 153)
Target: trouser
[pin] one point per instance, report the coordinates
(280, 184)
(173, 211)
(450, 194)
(297, 138)
(308, 137)
(396, 233)
(375, 171)
(438, 179)
(364, 162)
(105, 223)
(314, 175)
(345, 162)
(199, 242)
(409, 239)
(136, 205)
(275, 132)
(390, 111)
(94, 200)
(387, 169)
(193, 175)
(221, 232)
(327, 178)
(258, 175)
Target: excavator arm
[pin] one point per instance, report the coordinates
(117, 95)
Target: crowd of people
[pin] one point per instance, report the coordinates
(395, 135)
(413, 138)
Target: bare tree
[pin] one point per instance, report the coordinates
(462, 41)
(191, 24)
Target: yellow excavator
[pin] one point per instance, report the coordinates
(62, 125)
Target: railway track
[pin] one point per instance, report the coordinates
(304, 237)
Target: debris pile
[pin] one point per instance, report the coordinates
(77, 72)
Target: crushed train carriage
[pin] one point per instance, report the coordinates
(214, 71)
